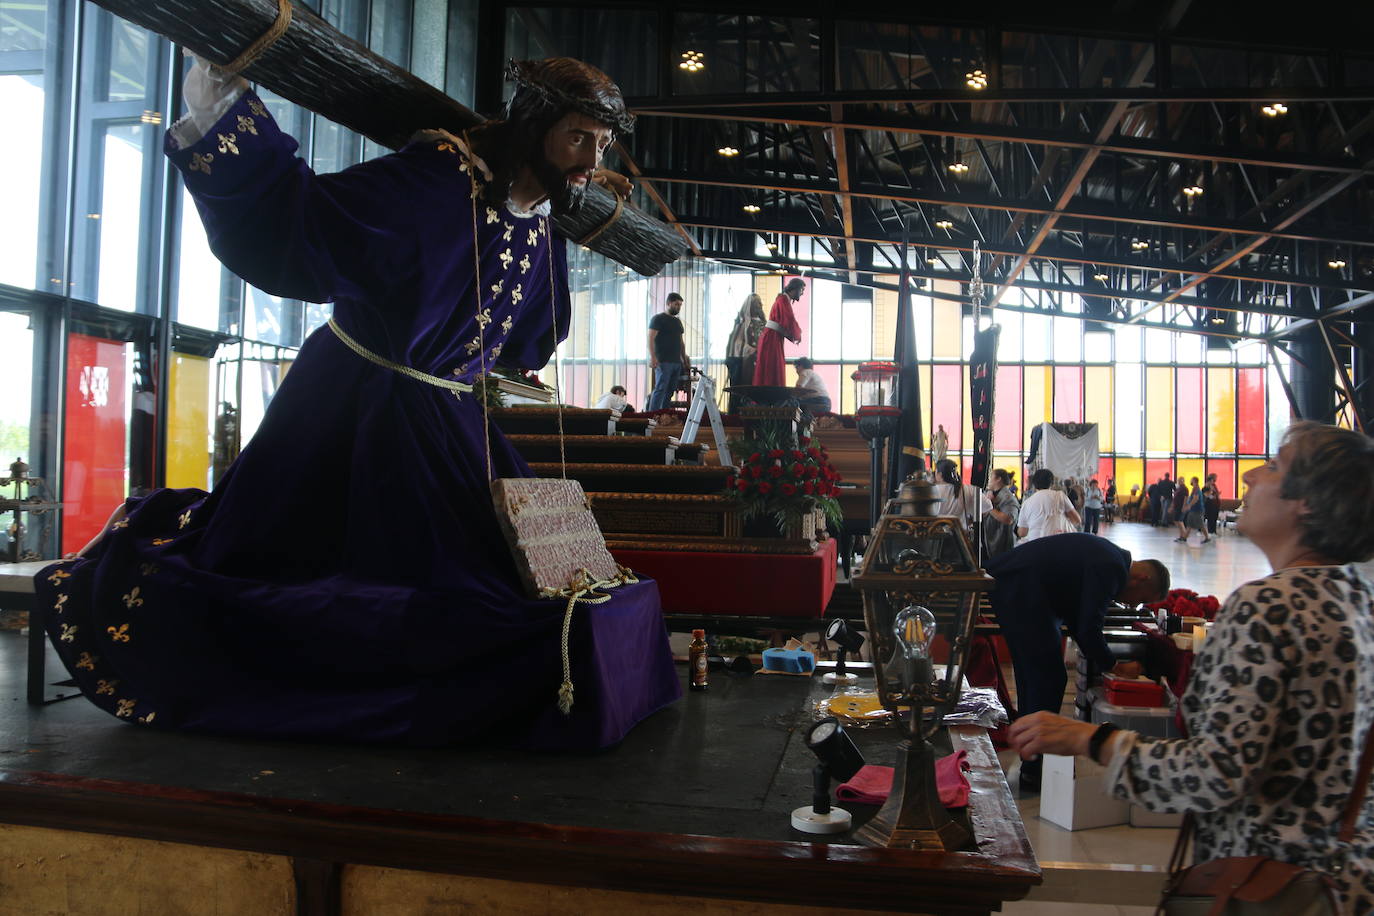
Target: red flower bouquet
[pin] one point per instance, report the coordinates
(1187, 603)
(785, 482)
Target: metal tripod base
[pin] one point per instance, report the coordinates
(912, 817)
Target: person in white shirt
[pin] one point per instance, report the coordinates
(818, 401)
(1046, 511)
(956, 500)
(614, 399)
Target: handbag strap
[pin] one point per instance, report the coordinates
(1356, 799)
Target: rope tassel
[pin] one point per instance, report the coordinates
(585, 589)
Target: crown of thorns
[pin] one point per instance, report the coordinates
(532, 76)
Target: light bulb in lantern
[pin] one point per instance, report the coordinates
(914, 629)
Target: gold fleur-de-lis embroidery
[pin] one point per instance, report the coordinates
(120, 525)
(533, 237)
(542, 226)
(61, 600)
(131, 600)
(505, 325)
(228, 143)
(146, 720)
(119, 635)
(492, 216)
(201, 163)
(158, 542)
(147, 569)
(496, 287)
(68, 633)
(106, 688)
(444, 146)
(525, 264)
(126, 708)
(58, 575)
(472, 345)
(257, 108)
(247, 125)
(184, 519)
(87, 661)
(509, 229)
(516, 295)
(496, 351)
(506, 259)
(483, 318)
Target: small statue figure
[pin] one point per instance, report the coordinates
(939, 444)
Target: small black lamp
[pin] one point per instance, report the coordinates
(848, 641)
(839, 759)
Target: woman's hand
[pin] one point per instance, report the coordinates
(1047, 733)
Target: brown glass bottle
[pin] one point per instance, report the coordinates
(696, 661)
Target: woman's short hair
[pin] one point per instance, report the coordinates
(1002, 474)
(1043, 479)
(801, 362)
(1332, 471)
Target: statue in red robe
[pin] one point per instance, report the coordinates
(768, 369)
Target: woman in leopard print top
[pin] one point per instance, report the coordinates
(1282, 694)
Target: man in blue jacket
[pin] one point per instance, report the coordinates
(1068, 580)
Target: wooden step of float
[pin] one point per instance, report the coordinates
(603, 449)
(636, 426)
(606, 477)
(672, 515)
(541, 420)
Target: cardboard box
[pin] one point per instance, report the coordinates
(1073, 796)
(1142, 818)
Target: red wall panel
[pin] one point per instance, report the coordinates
(1225, 469)
(1250, 411)
(97, 436)
(947, 393)
(1006, 421)
(1068, 394)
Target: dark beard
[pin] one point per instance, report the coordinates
(564, 197)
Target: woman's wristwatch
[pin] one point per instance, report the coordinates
(1099, 738)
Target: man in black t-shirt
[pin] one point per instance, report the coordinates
(667, 355)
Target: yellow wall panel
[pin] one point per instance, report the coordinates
(1098, 404)
(1033, 391)
(1159, 409)
(1242, 466)
(884, 319)
(949, 329)
(1129, 472)
(188, 422)
(1221, 409)
(1188, 468)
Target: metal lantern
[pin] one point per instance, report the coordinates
(919, 577)
(876, 391)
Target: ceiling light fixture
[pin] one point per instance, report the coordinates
(692, 61)
(1101, 277)
(1335, 263)
(728, 151)
(1193, 190)
(1274, 109)
(957, 167)
(151, 117)
(944, 224)
(976, 79)
(1138, 245)
(933, 261)
(771, 246)
(752, 208)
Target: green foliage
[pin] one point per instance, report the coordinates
(14, 443)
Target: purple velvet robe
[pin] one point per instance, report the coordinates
(347, 578)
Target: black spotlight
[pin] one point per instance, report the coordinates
(839, 759)
(848, 641)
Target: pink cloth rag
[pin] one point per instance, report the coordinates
(872, 784)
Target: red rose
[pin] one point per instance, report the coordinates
(754, 458)
(804, 441)
(775, 471)
(742, 485)
(814, 452)
(775, 453)
(813, 472)
(788, 490)
(765, 487)
(809, 487)
(797, 455)
(798, 471)
(756, 472)
(838, 476)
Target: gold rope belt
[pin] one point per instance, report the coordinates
(454, 386)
